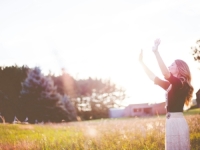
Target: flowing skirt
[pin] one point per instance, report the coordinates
(177, 132)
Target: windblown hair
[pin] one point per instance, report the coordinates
(185, 75)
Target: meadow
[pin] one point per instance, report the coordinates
(104, 134)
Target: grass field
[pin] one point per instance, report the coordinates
(104, 134)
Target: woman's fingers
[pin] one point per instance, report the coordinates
(157, 42)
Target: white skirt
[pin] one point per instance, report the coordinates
(177, 132)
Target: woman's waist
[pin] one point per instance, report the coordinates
(173, 108)
(174, 115)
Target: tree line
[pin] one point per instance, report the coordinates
(27, 93)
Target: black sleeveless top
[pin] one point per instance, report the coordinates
(176, 95)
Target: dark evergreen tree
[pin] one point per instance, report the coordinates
(10, 87)
(41, 100)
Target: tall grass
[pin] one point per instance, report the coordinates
(106, 134)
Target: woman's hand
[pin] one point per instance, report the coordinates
(141, 56)
(156, 44)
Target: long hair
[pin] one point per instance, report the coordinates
(184, 73)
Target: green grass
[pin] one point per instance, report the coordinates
(192, 111)
(104, 134)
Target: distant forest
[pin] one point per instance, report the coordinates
(26, 93)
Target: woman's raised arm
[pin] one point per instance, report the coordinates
(149, 73)
(161, 63)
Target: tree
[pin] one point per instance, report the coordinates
(10, 87)
(41, 100)
(196, 51)
(97, 96)
(196, 55)
(66, 84)
(92, 98)
(109, 96)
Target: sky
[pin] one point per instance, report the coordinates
(101, 39)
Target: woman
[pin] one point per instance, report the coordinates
(178, 92)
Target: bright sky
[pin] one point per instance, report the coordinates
(100, 38)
